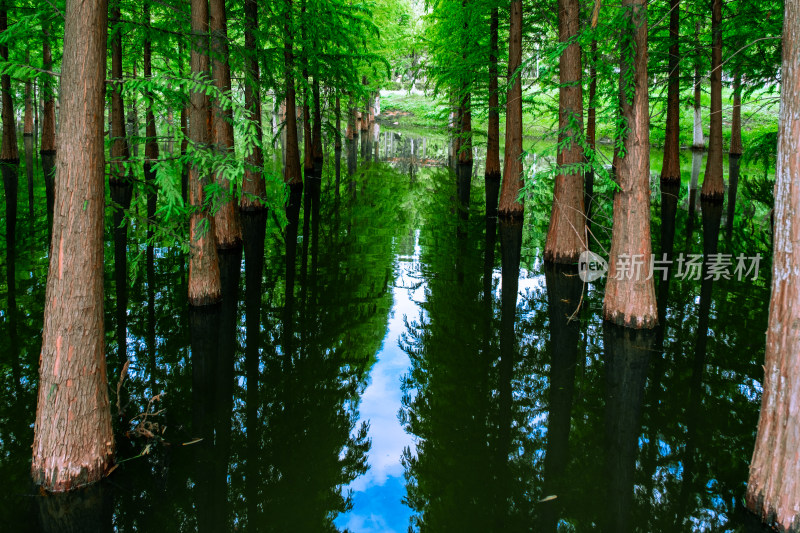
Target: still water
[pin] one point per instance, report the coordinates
(391, 359)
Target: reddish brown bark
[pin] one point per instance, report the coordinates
(591, 131)
(253, 187)
(73, 443)
(566, 236)
(48, 147)
(119, 147)
(308, 158)
(151, 143)
(631, 301)
(316, 131)
(27, 135)
(9, 154)
(292, 174)
(671, 166)
(736, 116)
(510, 204)
(227, 223)
(493, 145)
(773, 489)
(713, 185)
(204, 280)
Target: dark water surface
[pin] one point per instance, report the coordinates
(393, 359)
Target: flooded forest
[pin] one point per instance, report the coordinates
(400, 265)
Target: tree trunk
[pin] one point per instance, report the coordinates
(510, 204)
(566, 236)
(492, 172)
(204, 281)
(151, 144)
(73, 443)
(316, 132)
(228, 225)
(630, 301)
(773, 489)
(308, 157)
(735, 153)
(48, 147)
(713, 186)
(27, 135)
(591, 132)
(291, 174)
(120, 183)
(253, 187)
(671, 166)
(698, 141)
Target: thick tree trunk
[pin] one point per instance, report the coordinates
(630, 298)
(227, 223)
(566, 236)
(48, 146)
(671, 166)
(713, 186)
(773, 489)
(510, 204)
(736, 150)
(492, 172)
(253, 187)
(73, 443)
(204, 281)
(291, 175)
(591, 132)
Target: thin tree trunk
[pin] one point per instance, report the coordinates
(630, 298)
(292, 173)
(510, 204)
(204, 280)
(566, 236)
(27, 137)
(228, 225)
(253, 187)
(713, 186)
(48, 147)
(698, 141)
(492, 172)
(308, 157)
(735, 153)
(591, 130)
(316, 132)
(671, 166)
(73, 443)
(151, 143)
(773, 489)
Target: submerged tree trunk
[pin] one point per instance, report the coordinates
(713, 185)
(204, 281)
(566, 236)
(630, 298)
(736, 150)
(73, 443)
(510, 204)
(671, 166)
(291, 175)
(492, 172)
(227, 224)
(773, 489)
(48, 147)
(253, 187)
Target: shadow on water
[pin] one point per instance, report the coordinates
(396, 355)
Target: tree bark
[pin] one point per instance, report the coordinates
(492, 172)
(316, 132)
(671, 166)
(566, 236)
(591, 131)
(253, 187)
(735, 154)
(631, 301)
(204, 280)
(292, 174)
(48, 146)
(151, 143)
(713, 186)
(27, 135)
(698, 141)
(73, 442)
(510, 204)
(773, 489)
(227, 223)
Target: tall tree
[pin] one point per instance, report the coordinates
(671, 166)
(204, 280)
(253, 188)
(292, 174)
(736, 149)
(27, 137)
(73, 443)
(492, 172)
(566, 236)
(630, 298)
(9, 154)
(773, 489)
(510, 204)
(591, 130)
(713, 185)
(227, 223)
(48, 146)
(151, 142)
